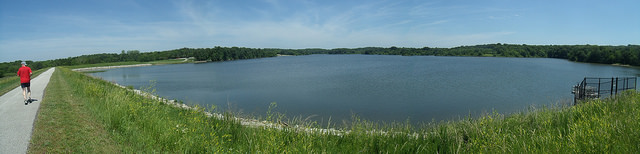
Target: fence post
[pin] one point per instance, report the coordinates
(616, 85)
(625, 83)
(584, 89)
(611, 92)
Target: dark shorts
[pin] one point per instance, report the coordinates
(25, 85)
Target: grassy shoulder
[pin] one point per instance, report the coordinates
(138, 124)
(64, 125)
(9, 83)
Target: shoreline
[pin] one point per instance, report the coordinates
(108, 67)
(243, 121)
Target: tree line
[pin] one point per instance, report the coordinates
(625, 55)
(201, 54)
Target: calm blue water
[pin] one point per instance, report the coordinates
(374, 87)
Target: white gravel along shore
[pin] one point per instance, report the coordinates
(108, 67)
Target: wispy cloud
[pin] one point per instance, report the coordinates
(205, 24)
(287, 24)
(478, 38)
(437, 22)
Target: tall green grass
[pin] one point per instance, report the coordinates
(141, 124)
(64, 125)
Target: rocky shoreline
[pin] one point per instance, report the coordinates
(243, 121)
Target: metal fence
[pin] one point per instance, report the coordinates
(591, 88)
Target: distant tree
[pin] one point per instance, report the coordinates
(629, 54)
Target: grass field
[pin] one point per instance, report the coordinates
(64, 125)
(172, 61)
(83, 114)
(9, 83)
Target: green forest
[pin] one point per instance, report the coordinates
(201, 54)
(624, 55)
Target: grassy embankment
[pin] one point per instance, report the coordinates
(83, 114)
(9, 83)
(160, 62)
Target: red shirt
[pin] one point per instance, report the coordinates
(25, 74)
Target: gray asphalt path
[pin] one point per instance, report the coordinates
(17, 119)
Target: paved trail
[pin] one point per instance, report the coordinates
(17, 119)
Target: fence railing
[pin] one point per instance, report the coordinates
(591, 88)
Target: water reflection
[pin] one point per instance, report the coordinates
(385, 88)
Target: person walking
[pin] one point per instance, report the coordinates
(25, 82)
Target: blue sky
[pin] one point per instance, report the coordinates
(51, 29)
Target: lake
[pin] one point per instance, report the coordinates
(373, 87)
